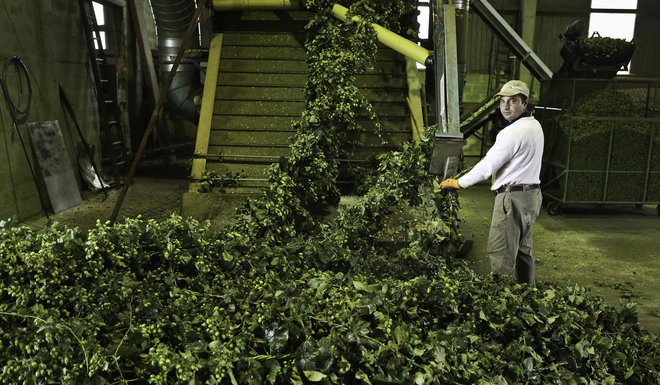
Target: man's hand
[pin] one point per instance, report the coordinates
(449, 184)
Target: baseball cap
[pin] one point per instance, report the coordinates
(514, 87)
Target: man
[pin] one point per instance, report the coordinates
(515, 162)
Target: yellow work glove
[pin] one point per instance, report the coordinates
(449, 184)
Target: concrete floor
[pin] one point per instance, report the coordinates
(148, 197)
(615, 251)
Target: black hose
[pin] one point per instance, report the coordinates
(19, 115)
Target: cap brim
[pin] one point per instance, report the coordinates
(511, 93)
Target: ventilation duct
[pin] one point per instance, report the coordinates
(462, 5)
(172, 19)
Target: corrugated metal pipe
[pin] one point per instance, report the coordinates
(463, 5)
(462, 12)
(172, 19)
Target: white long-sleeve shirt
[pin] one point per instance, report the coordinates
(515, 158)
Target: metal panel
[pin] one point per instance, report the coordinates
(54, 165)
(601, 158)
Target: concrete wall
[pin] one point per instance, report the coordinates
(47, 37)
(647, 31)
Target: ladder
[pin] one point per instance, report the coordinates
(114, 152)
(501, 66)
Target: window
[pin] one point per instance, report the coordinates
(424, 17)
(613, 4)
(619, 24)
(424, 8)
(99, 12)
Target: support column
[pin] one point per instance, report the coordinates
(528, 26)
(462, 12)
(451, 70)
(439, 63)
(448, 141)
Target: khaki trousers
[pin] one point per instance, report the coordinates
(510, 237)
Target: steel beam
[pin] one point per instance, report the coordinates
(511, 38)
(241, 5)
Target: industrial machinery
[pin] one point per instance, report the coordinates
(225, 150)
(447, 62)
(604, 146)
(603, 143)
(449, 59)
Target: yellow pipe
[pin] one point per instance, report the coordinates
(240, 5)
(206, 113)
(389, 38)
(385, 36)
(414, 100)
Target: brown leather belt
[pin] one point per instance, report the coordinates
(517, 187)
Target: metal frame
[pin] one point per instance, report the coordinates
(511, 38)
(558, 169)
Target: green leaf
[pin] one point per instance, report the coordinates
(314, 376)
(549, 294)
(420, 378)
(295, 378)
(528, 364)
(360, 375)
(629, 373)
(231, 376)
(274, 370)
(215, 345)
(360, 286)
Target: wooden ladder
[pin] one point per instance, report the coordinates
(114, 151)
